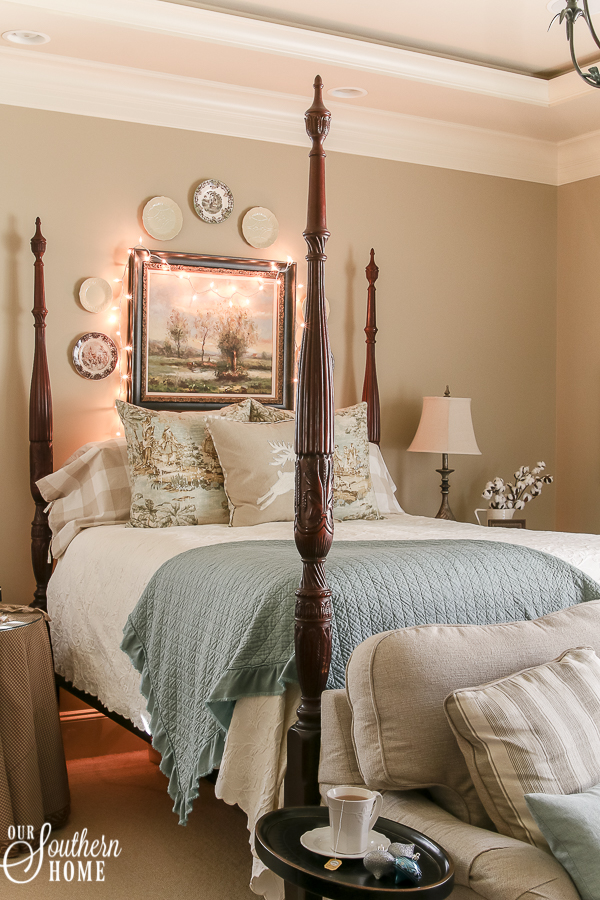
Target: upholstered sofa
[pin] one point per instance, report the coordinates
(388, 730)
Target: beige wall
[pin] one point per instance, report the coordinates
(466, 291)
(578, 357)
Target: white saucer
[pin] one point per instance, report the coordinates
(319, 841)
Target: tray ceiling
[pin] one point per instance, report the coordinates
(470, 67)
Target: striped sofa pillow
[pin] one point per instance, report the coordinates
(537, 731)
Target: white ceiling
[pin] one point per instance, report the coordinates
(248, 61)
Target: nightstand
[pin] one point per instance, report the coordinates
(33, 775)
(507, 523)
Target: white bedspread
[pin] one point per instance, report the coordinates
(104, 571)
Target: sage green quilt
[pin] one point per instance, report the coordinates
(216, 623)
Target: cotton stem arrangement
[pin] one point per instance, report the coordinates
(528, 485)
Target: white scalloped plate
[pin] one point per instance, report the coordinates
(162, 218)
(260, 227)
(95, 295)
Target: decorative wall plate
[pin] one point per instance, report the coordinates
(95, 295)
(213, 201)
(95, 355)
(162, 218)
(260, 227)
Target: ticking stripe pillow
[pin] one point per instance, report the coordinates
(537, 731)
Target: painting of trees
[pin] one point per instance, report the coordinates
(203, 326)
(235, 331)
(178, 330)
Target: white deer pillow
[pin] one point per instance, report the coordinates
(257, 459)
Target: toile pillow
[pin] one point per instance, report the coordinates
(537, 731)
(353, 493)
(258, 462)
(261, 413)
(175, 474)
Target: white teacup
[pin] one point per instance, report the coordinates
(352, 813)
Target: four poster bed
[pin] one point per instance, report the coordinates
(91, 600)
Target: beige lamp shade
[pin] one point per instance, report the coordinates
(445, 427)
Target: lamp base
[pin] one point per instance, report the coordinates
(444, 512)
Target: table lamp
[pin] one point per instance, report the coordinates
(445, 427)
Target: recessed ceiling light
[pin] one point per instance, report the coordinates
(556, 6)
(347, 93)
(26, 37)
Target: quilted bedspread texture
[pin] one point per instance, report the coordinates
(216, 623)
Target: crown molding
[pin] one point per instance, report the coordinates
(194, 23)
(579, 158)
(63, 84)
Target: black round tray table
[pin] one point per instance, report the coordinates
(278, 846)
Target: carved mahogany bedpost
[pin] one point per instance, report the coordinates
(40, 426)
(370, 388)
(313, 525)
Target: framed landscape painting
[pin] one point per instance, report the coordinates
(207, 331)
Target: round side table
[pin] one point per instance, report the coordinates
(278, 846)
(33, 775)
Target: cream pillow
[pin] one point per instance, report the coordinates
(175, 474)
(258, 461)
(537, 731)
(354, 464)
(383, 486)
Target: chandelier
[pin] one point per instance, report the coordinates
(569, 15)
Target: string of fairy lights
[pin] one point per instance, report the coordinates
(123, 297)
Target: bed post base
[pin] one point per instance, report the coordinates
(40, 427)
(313, 525)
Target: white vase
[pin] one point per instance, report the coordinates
(484, 515)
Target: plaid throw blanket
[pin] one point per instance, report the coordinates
(216, 623)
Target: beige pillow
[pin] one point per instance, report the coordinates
(396, 684)
(258, 461)
(175, 474)
(537, 731)
(354, 494)
(92, 488)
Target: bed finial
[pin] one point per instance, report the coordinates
(40, 425)
(370, 392)
(313, 525)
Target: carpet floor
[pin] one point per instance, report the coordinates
(124, 797)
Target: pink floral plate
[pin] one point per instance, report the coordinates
(95, 355)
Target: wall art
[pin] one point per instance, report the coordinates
(207, 331)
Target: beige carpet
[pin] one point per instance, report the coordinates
(124, 797)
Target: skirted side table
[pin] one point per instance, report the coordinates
(33, 775)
